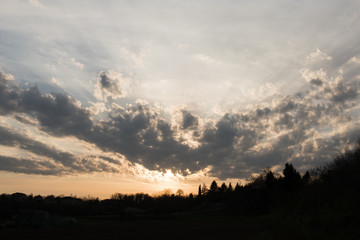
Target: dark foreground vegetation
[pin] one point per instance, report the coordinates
(323, 203)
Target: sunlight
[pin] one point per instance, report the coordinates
(168, 176)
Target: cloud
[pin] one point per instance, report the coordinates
(205, 58)
(111, 85)
(339, 86)
(42, 158)
(316, 81)
(354, 60)
(11, 138)
(189, 120)
(28, 166)
(342, 93)
(303, 130)
(57, 113)
(160, 50)
(55, 81)
(317, 56)
(37, 4)
(310, 75)
(77, 64)
(97, 107)
(8, 94)
(285, 104)
(5, 77)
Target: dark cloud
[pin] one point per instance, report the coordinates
(262, 112)
(59, 162)
(24, 119)
(316, 81)
(9, 97)
(236, 145)
(286, 104)
(189, 120)
(57, 113)
(35, 166)
(111, 85)
(28, 166)
(286, 120)
(11, 138)
(342, 93)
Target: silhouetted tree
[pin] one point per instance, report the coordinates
(204, 189)
(180, 192)
(199, 191)
(291, 176)
(230, 188)
(213, 187)
(306, 178)
(237, 187)
(269, 179)
(223, 188)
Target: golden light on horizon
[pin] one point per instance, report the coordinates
(168, 175)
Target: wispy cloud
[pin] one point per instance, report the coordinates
(37, 4)
(205, 58)
(77, 64)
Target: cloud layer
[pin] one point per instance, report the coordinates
(140, 87)
(307, 128)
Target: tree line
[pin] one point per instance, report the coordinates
(329, 194)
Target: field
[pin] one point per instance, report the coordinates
(214, 225)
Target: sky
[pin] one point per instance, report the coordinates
(99, 97)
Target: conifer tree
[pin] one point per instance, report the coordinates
(213, 187)
(230, 188)
(237, 187)
(223, 187)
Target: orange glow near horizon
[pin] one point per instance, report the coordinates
(99, 185)
(84, 186)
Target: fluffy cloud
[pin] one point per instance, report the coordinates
(111, 85)
(189, 120)
(77, 64)
(341, 93)
(307, 129)
(317, 56)
(4, 78)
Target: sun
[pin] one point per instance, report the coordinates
(169, 176)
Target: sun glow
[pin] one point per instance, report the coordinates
(169, 176)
